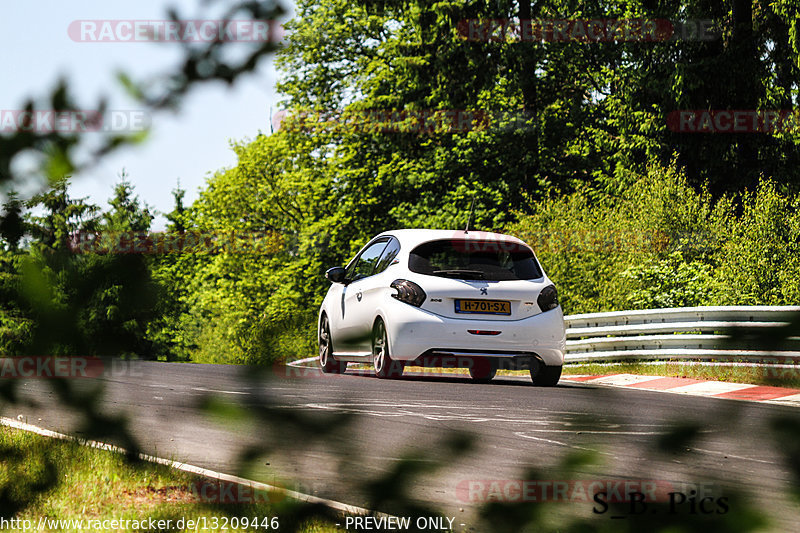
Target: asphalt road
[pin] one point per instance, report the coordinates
(329, 435)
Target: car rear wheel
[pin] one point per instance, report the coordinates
(385, 367)
(546, 376)
(483, 370)
(327, 363)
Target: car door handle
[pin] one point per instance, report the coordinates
(358, 296)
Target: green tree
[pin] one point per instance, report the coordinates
(119, 298)
(15, 326)
(175, 331)
(52, 284)
(87, 303)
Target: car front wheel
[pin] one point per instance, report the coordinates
(327, 363)
(385, 367)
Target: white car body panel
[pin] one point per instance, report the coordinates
(352, 310)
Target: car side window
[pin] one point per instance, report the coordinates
(365, 263)
(389, 253)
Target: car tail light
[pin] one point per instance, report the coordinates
(409, 292)
(548, 298)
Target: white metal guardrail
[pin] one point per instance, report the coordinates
(691, 333)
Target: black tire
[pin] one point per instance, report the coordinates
(546, 376)
(483, 370)
(385, 366)
(327, 363)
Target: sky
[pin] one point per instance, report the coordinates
(188, 146)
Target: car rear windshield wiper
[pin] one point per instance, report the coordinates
(460, 273)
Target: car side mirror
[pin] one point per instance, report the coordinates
(335, 274)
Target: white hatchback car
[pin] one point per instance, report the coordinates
(418, 297)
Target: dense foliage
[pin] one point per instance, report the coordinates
(394, 117)
(663, 243)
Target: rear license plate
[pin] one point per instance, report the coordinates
(483, 307)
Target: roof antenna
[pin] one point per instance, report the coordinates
(469, 218)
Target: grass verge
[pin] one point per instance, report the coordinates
(53, 484)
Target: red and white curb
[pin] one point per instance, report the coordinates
(695, 387)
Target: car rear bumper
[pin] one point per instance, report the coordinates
(414, 332)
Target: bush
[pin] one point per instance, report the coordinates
(759, 263)
(662, 243)
(669, 282)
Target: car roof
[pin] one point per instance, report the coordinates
(414, 237)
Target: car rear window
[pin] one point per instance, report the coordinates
(475, 259)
